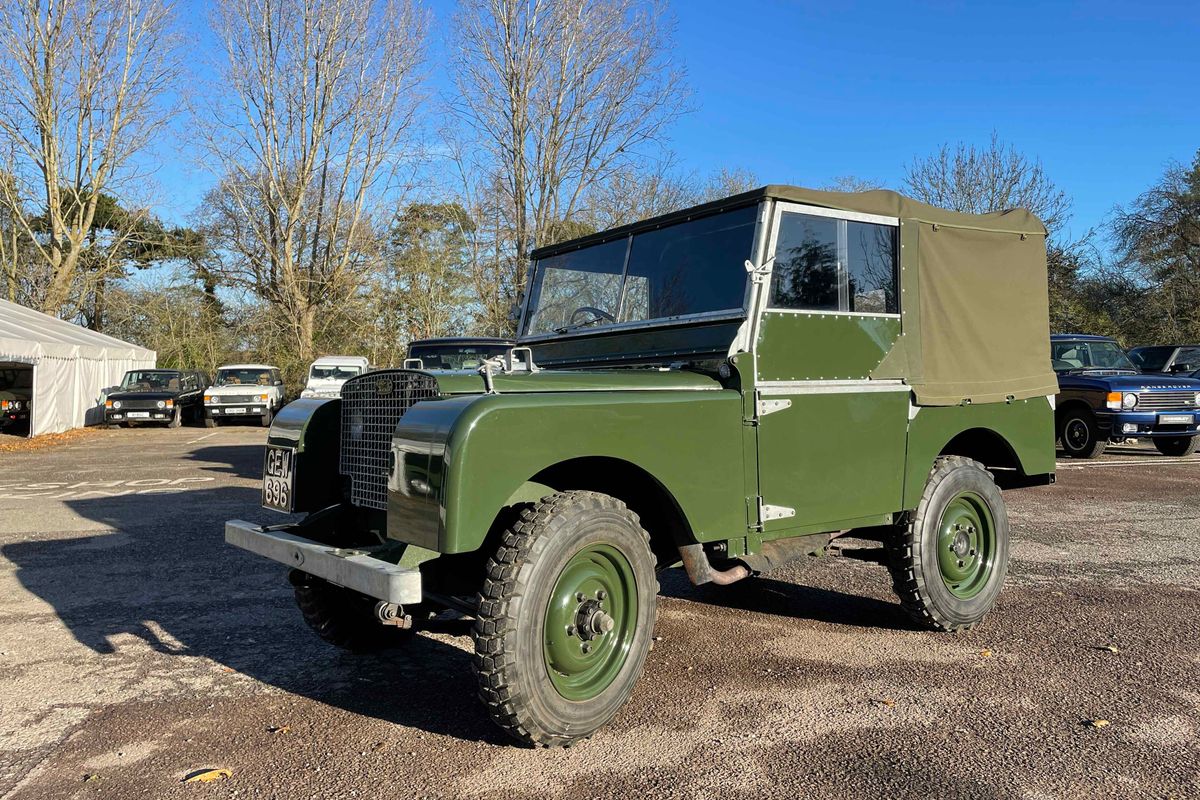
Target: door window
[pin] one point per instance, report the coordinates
(824, 263)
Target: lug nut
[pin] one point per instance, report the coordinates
(587, 648)
(580, 596)
(960, 563)
(601, 595)
(571, 630)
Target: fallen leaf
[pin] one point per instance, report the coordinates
(278, 728)
(1097, 723)
(1112, 648)
(985, 653)
(887, 701)
(90, 777)
(208, 775)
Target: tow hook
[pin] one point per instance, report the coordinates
(393, 614)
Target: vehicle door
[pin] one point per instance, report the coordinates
(831, 441)
(189, 390)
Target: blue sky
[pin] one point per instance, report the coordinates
(1106, 94)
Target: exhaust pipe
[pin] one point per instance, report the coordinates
(700, 569)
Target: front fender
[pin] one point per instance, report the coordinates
(465, 457)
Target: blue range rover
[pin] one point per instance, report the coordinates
(1103, 397)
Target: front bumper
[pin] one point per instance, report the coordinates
(1131, 424)
(139, 415)
(241, 410)
(353, 569)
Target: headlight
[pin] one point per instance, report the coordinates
(1196, 399)
(1129, 401)
(161, 404)
(116, 403)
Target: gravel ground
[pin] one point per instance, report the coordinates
(135, 647)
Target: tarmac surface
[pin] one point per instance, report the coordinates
(136, 648)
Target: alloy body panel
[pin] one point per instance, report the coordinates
(814, 346)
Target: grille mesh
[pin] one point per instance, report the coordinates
(226, 399)
(372, 404)
(1166, 401)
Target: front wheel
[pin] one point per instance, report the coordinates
(209, 422)
(267, 417)
(566, 617)
(1080, 435)
(948, 564)
(342, 617)
(1176, 445)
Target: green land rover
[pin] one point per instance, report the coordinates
(727, 388)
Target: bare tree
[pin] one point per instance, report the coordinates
(310, 132)
(978, 180)
(559, 97)
(84, 91)
(852, 183)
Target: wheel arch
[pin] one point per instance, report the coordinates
(660, 513)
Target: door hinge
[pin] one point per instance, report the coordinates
(768, 513)
(764, 407)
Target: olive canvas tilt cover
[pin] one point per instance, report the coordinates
(978, 331)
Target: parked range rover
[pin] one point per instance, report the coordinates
(16, 395)
(728, 388)
(1103, 397)
(455, 352)
(165, 396)
(1181, 359)
(242, 391)
(328, 373)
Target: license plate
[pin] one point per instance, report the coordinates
(235, 411)
(1174, 419)
(138, 415)
(279, 478)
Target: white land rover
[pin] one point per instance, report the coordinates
(328, 373)
(244, 390)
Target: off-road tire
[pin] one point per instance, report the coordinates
(528, 566)
(1176, 445)
(209, 422)
(268, 417)
(342, 617)
(913, 551)
(1080, 435)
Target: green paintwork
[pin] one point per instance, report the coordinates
(833, 457)
(608, 380)
(685, 440)
(800, 346)
(1027, 426)
(582, 659)
(966, 545)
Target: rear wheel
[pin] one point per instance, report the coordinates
(1176, 445)
(565, 618)
(1080, 435)
(342, 617)
(948, 564)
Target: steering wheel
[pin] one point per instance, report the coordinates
(597, 313)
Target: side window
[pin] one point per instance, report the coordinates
(189, 381)
(828, 264)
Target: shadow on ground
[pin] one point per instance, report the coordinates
(242, 460)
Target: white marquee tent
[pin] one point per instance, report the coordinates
(71, 365)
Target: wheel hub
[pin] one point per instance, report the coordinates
(590, 622)
(966, 545)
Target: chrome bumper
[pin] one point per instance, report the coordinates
(353, 569)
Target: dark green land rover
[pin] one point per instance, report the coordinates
(727, 388)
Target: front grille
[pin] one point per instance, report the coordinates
(1166, 401)
(139, 403)
(372, 404)
(228, 399)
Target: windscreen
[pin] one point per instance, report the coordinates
(691, 267)
(150, 381)
(333, 372)
(244, 377)
(455, 356)
(1067, 356)
(16, 379)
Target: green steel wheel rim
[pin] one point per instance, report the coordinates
(590, 622)
(966, 545)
